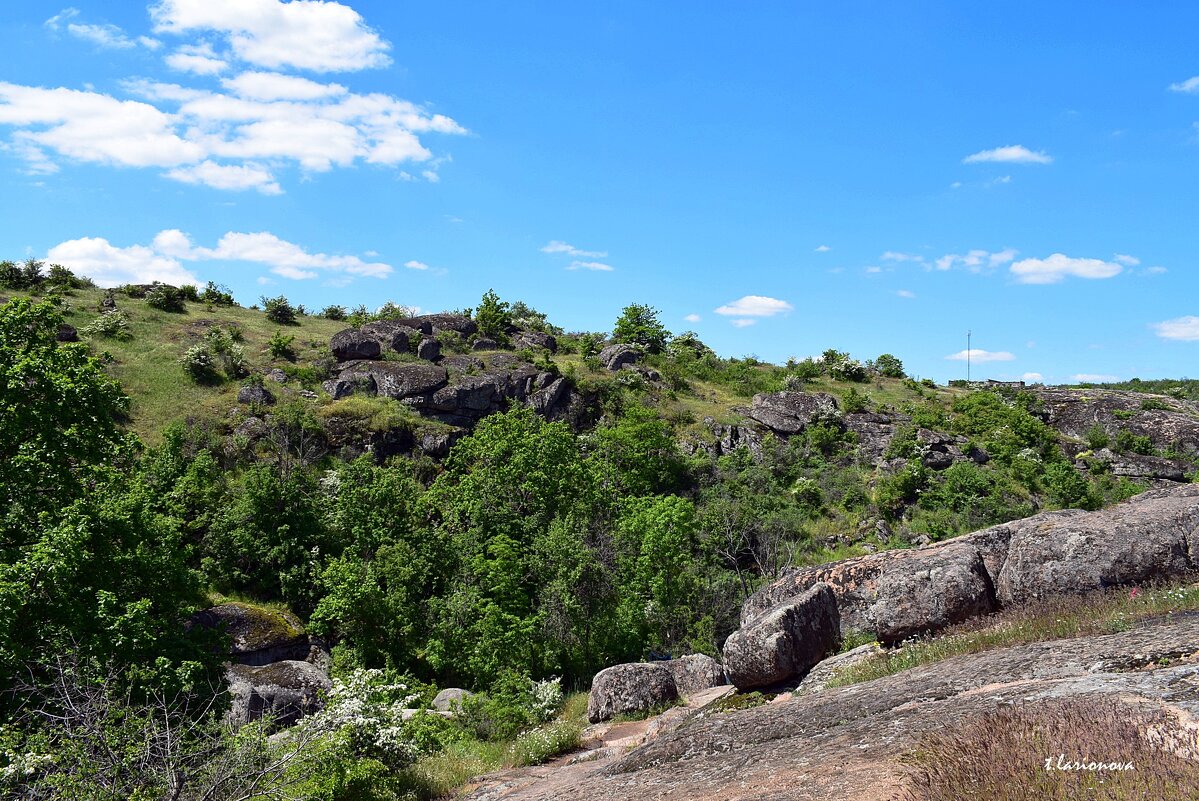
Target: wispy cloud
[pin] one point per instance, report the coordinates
(1185, 329)
(743, 322)
(556, 246)
(1189, 86)
(1032, 377)
(106, 36)
(892, 255)
(905, 293)
(1011, 154)
(975, 260)
(1094, 378)
(693, 318)
(981, 356)
(1058, 267)
(596, 266)
(823, 249)
(1126, 260)
(416, 265)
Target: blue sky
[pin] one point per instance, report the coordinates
(779, 177)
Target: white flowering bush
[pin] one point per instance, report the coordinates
(546, 698)
(365, 714)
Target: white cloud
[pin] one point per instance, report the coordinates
(1189, 86)
(873, 270)
(556, 246)
(1011, 154)
(823, 249)
(754, 306)
(274, 86)
(305, 34)
(231, 141)
(282, 257)
(1126, 260)
(228, 176)
(198, 59)
(1003, 179)
(892, 255)
(590, 265)
(976, 261)
(1094, 378)
(109, 265)
(106, 36)
(1057, 267)
(416, 265)
(1155, 270)
(981, 356)
(743, 322)
(1032, 378)
(1185, 329)
(905, 293)
(693, 318)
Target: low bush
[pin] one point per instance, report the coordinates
(165, 297)
(113, 325)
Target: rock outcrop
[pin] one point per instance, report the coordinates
(449, 699)
(257, 636)
(788, 413)
(616, 357)
(1166, 421)
(284, 691)
(629, 689)
(896, 594)
(695, 673)
(783, 642)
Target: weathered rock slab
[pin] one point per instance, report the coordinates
(695, 673)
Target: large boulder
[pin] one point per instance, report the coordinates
(895, 594)
(695, 673)
(255, 394)
(398, 380)
(429, 349)
(433, 323)
(1151, 537)
(450, 698)
(354, 344)
(535, 340)
(790, 413)
(630, 689)
(615, 357)
(257, 635)
(785, 641)
(391, 335)
(284, 691)
(1168, 422)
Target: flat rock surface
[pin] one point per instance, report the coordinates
(845, 743)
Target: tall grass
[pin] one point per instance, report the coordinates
(1056, 618)
(1058, 750)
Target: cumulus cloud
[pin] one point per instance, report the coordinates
(981, 356)
(198, 59)
(1185, 329)
(1126, 260)
(308, 35)
(416, 265)
(693, 318)
(823, 249)
(1189, 86)
(556, 246)
(106, 36)
(892, 255)
(1032, 378)
(753, 306)
(1058, 267)
(162, 259)
(1011, 154)
(232, 140)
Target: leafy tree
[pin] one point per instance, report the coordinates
(59, 413)
(639, 325)
(165, 298)
(279, 310)
(334, 312)
(217, 295)
(639, 454)
(493, 316)
(889, 366)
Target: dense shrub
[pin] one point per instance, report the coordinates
(165, 297)
(113, 325)
(279, 310)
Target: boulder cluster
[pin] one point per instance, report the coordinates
(792, 624)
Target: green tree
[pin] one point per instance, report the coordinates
(493, 316)
(890, 366)
(639, 325)
(59, 413)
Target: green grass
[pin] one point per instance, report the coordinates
(444, 774)
(147, 365)
(1052, 619)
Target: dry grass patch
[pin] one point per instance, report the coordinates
(1093, 748)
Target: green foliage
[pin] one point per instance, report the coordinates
(280, 346)
(1127, 442)
(493, 316)
(334, 312)
(59, 415)
(889, 366)
(1097, 437)
(639, 325)
(279, 310)
(111, 325)
(216, 295)
(903, 488)
(165, 297)
(1006, 430)
(853, 401)
(638, 454)
(197, 361)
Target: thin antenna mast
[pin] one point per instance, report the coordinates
(968, 354)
